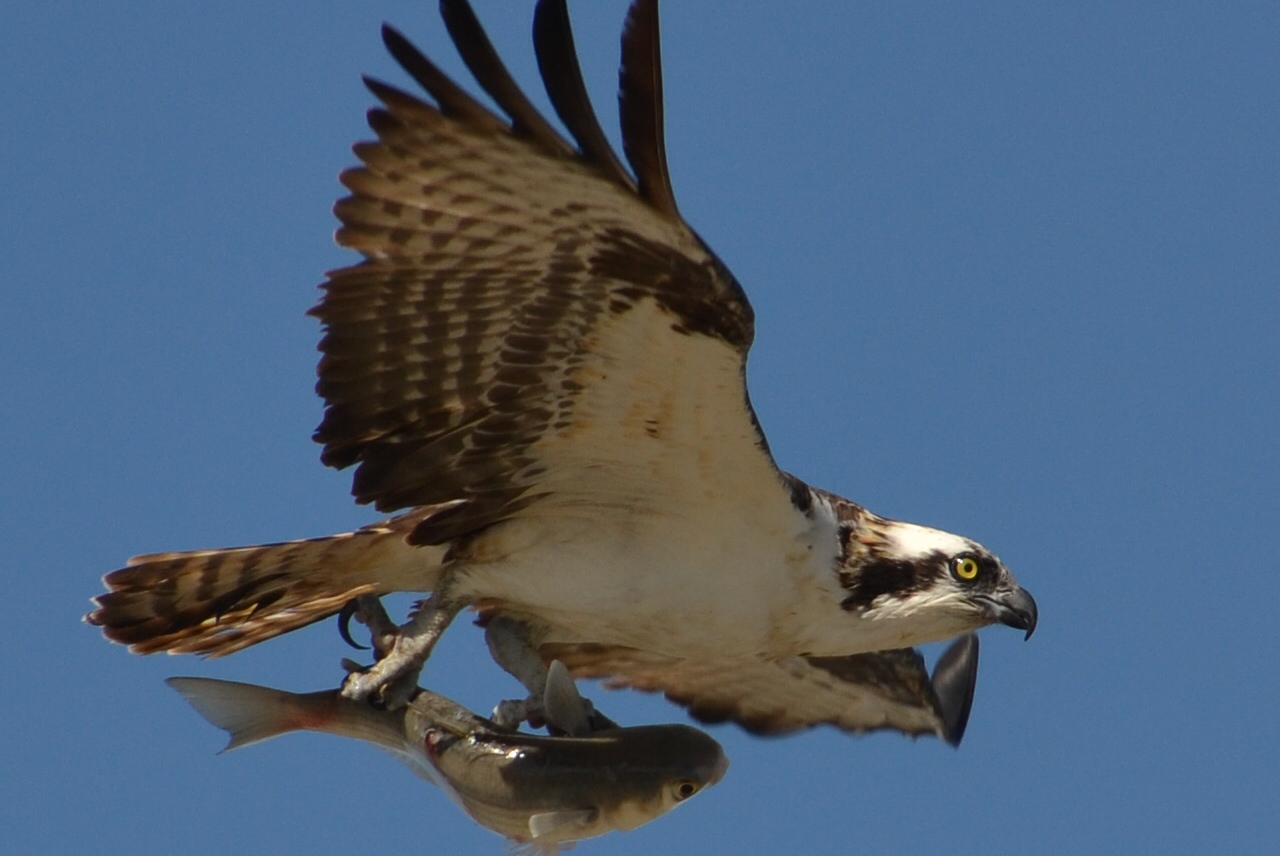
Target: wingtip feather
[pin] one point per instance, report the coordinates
(641, 107)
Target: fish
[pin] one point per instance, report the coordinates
(539, 792)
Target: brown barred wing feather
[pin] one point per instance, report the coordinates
(498, 261)
(884, 690)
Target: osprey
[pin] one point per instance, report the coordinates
(541, 366)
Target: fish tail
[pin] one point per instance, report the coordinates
(250, 713)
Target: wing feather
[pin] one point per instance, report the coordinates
(489, 71)
(558, 63)
(640, 102)
(886, 690)
(453, 99)
(497, 266)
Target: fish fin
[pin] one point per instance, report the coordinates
(247, 713)
(536, 848)
(550, 822)
(562, 704)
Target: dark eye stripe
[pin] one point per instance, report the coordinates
(900, 578)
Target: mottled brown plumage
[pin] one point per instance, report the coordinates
(216, 602)
(493, 249)
(543, 363)
(492, 253)
(859, 693)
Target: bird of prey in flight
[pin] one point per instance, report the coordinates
(540, 367)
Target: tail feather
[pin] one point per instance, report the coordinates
(216, 602)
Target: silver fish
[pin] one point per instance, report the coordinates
(534, 790)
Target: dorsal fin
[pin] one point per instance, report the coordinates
(489, 71)
(640, 106)
(562, 76)
(453, 99)
(955, 676)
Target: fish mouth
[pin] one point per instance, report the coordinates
(1013, 608)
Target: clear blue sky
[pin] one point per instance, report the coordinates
(1016, 269)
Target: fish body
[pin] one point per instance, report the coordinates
(544, 791)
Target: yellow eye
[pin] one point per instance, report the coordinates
(966, 567)
(685, 788)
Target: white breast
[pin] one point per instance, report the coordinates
(665, 526)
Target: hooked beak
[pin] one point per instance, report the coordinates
(1015, 608)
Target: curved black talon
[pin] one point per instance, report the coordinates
(349, 609)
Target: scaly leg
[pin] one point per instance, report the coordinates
(553, 698)
(401, 651)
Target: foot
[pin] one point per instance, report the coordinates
(369, 611)
(510, 714)
(553, 698)
(401, 651)
(559, 720)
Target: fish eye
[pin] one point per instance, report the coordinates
(685, 788)
(965, 567)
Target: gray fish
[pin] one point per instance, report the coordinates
(534, 790)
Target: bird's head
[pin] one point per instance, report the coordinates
(939, 583)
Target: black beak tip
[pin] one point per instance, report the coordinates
(1028, 613)
(1018, 610)
(1032, 616)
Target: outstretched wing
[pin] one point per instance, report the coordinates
(530, 319)
(865, 692)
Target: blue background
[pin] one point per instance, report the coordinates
(1015, 267)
